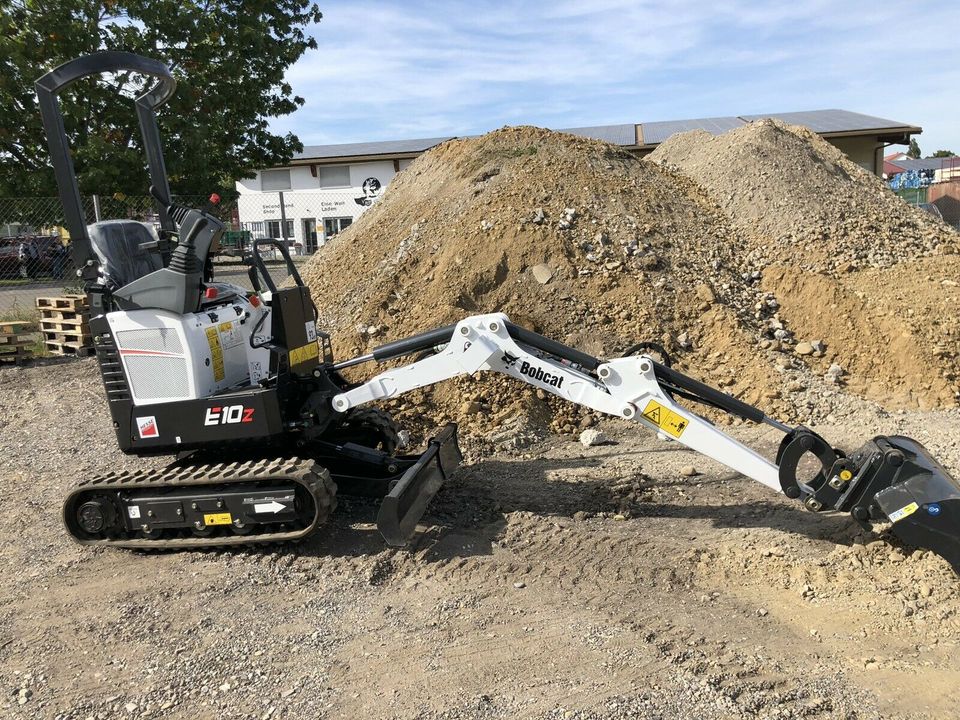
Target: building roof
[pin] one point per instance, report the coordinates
(926, 163)
(615, 134)
(388, 147)
(890, 169)
(830, 123)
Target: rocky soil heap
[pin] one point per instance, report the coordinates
(574, 238)
(586, 243)
(799, 199)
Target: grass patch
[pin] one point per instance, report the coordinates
(21, 313)
(520, 151)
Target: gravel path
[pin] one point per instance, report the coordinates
(549, 581)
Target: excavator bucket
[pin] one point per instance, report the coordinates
(921, 499)
(404, 505)
(891, 479)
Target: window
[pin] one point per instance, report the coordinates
(274, 180)
(273, 229)
(336, 176)
(254, 227)
(332, 226)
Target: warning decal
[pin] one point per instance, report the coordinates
(217, 519)
(216, 353)
(304, 353)
(664, 418)
(903, 512)
(230, 334)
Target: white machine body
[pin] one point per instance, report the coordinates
(168, 357)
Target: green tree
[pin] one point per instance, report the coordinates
(943, 153)
(229, 57)
(914, 150)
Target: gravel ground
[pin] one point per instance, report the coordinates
(548, 581)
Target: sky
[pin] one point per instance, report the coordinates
(396, 70)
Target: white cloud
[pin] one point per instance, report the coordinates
(386, 70)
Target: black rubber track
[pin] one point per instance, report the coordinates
(306, 473)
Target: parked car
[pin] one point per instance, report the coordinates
(49, 259)
(235, 243)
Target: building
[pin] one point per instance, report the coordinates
(939, 169)
(926, 182)
(326, 187)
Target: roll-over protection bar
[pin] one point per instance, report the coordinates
(53, 83)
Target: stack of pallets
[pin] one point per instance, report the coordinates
(65, 324)
(15, 341)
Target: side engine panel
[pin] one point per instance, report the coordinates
(168, 357)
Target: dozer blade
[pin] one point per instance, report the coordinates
(922, 500)
(404, 505)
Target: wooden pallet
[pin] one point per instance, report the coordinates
(63, 324)
(82, 338)
(73, 303)
(82, 315)
(14, 354)
(69, 347)
(15, 328)
(15, 340)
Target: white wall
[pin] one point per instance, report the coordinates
(301, 178)
(307, 200)
(862, 150)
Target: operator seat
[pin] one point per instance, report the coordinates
(127, 251)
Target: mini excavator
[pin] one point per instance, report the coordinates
(242, 391)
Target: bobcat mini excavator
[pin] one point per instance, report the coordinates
(242, 389)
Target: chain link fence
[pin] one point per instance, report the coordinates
(35, 258)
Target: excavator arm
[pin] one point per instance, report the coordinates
(889, 480)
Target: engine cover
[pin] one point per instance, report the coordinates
(168, 357)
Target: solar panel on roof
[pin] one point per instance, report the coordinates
(656, 132)
(616, 134)
(369, 148)
(653, 133)
(826, 121)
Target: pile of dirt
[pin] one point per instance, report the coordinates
(583, 242)
(572, 237)
(895, 331)
(800, 200)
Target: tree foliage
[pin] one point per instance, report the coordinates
(943, 153)
(914, 150)
(229, 58)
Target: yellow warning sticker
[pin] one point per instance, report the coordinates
(304, 353)
(664, 418)
(216, 353)
(217, 519)
(903, 512)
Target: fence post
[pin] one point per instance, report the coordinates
(283, 220)
(96, 208)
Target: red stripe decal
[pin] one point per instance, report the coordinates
(150, 352)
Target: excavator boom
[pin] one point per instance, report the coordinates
(891, 479)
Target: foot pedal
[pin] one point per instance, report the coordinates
(404, 505)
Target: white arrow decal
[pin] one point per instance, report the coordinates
(271, 507)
